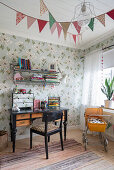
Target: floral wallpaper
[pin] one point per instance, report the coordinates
(41, 54)
(108, 42)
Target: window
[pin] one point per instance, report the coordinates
(108, 73)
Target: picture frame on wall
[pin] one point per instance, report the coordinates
(52, 67)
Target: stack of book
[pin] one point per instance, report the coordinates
(52, 78)
(24, 64)
(37, 77)
(53, 102)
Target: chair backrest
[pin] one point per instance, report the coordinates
(52, 116)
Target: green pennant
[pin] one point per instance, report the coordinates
(91, 24)
(51, 20)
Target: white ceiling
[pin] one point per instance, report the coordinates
(62, 10)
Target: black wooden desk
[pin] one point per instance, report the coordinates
(25, 118)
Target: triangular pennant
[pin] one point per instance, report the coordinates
(101, 18)
(30, 21)
(111, 14)
(51, 20)
(43, 7)
(91, 24)
(59, 29)
(78, 28)
(19, 17)
(53, 28)
(74, 37)
(41, 24)
(65, 26)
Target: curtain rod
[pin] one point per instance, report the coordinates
(108, 47)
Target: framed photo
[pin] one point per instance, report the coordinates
(52, 67)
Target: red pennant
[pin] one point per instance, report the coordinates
(78, 28)
(19, 17)
(59, 29)
(111, 14)
(74, 37)
(30, 21)
(41, 24)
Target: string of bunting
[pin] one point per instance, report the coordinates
(53, 24)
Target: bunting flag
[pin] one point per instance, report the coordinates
(59, 29)
(91, 24)
(19, 17)
(53, 28)
(65, 26)
(111, 14)
(41, 24)
(74, 37)
(30, 21)
(43, 8)
(51, 20)
(78, 28)
(101, 18)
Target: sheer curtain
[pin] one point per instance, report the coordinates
(91, 92)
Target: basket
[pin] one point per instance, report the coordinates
(97, 127)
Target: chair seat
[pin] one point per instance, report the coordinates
(41, 127)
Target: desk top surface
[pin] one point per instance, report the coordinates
(37, 111)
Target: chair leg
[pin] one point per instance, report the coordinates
(30, 139)
(48, 138)
(46, 147)
(61, 138)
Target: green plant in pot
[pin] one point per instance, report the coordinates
(108, 90)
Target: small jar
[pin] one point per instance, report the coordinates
(42, 105)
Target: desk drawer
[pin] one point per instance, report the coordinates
(35, 115)
(22, 96)
(22, 123)
(22, 116)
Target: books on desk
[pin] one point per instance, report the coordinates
(53, 102)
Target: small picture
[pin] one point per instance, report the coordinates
(52, 67)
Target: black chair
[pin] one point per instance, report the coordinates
(48, 128)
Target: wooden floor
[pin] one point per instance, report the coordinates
(93, 144)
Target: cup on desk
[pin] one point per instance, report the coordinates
(36, 104)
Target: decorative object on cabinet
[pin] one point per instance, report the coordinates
(35, 76)
(53, 102)
(23, 101)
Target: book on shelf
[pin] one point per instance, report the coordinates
(24, 64)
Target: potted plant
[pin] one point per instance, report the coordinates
(108, 90)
